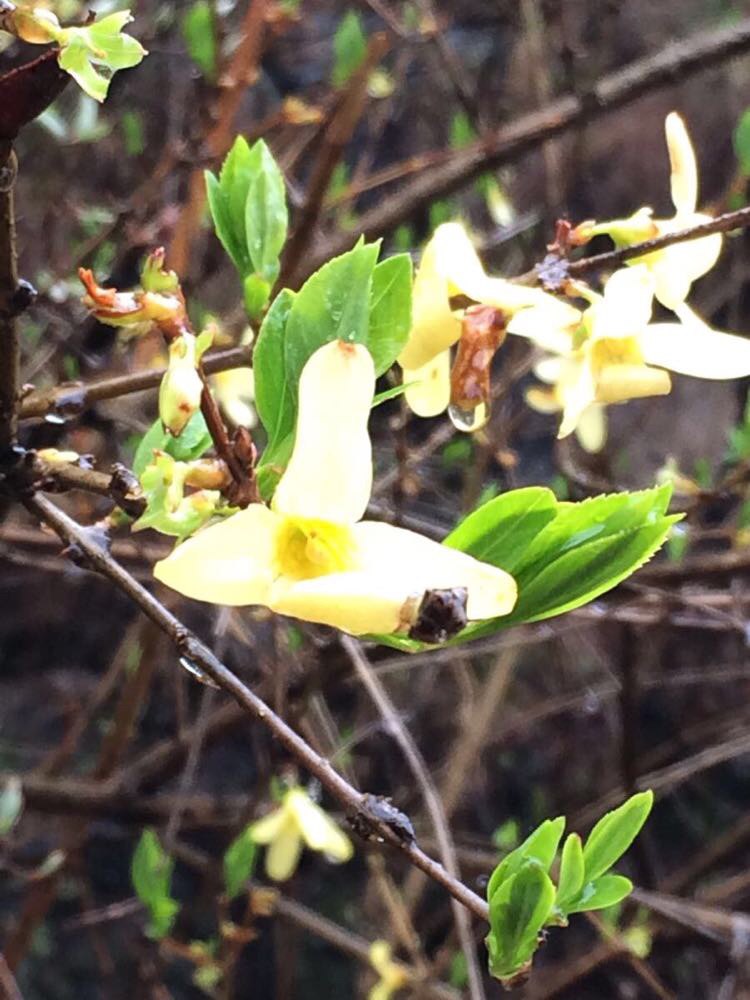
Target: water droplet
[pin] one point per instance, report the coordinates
(469, 420)
(54, 418)
(195, 670)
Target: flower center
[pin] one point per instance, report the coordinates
(308, 547)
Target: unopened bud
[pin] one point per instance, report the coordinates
(181, 388)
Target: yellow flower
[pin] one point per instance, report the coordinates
(234, 390)
(607, 356)
(298, 821)
(181, 387)
(450, 266)
(675, 268)
(310, 555)
(392, 975)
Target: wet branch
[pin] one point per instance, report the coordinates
(190, 647)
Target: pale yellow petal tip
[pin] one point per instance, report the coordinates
(428, 389)
(684, 177)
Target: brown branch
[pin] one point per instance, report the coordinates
(191, 648)
(10, 347)
(665, 68)
(74, 397)
(613, 258)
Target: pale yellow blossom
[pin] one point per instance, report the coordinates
(298, 822)
(392, 975)
(310, 555)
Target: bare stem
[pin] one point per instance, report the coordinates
(10, 350)
(190, 647)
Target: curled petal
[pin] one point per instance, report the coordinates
(577, 393)
(592, 428)
(434, 327)
(620, 382)
(431, 391)
(329, 475)
(356, 602)
(684, 176)
(542, 400)
(283, 854)
(230, 563)
(318, 829)
(694, 348)
(676, 268)
(416, 564)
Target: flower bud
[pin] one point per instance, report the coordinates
(181, 388)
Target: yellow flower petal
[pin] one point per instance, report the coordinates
(684, 176)
(355, 602)
(542, 326)
(329, 475)
(269, 827)
(577, 393)
(228, 563)
(380, 956)
(283, 854)
(416, 564)
(694, 348)
(319, 831)
(431, 392)
(677, 267)
(592, 428)
(434, 327)
(626, 305)
(542, 400)
(618, 383)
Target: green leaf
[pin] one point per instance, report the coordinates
(11, 804)
(501, 531)
(614, 833)
(572, 872)
(273, 397)
(334, 304)
(92, 54)
(518, 911)
(191, 444)
(266, 216)
(741, 140)
(151, 875)
(239, 863)
(393, 393)
(199, 32)
(390, 310)
(349, 48)
(227, 195)
(539, 848)
(601, 893)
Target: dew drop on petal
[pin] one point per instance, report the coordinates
(469, 420)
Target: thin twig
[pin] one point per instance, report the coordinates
(74, 397)
(415, 761)
(191, 648)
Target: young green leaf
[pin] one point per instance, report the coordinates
(390, 310)
(266, 216)
(607, 890)
(742, 142)
(227, 195)
(518, 911)
(614, 833)
(151, 875)
(539, 849)
(191, 444)
(349, 48)
(334, 304)
(501, 531)
(571, 877)
(239, 863)
(273, 397)
(92, 54)
(199, 32)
